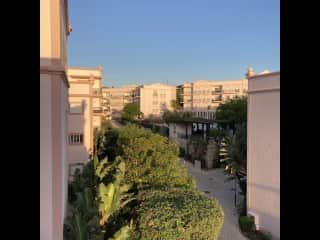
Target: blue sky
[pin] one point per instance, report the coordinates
(144, 41)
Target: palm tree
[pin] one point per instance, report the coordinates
(231, 156)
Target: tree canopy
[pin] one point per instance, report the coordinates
(234, 110)
(175, 105)
(130, 111)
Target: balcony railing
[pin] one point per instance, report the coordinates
(97, 110)
(216, 92)
(217, 99)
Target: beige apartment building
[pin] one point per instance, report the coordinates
(86, 113)
(116, 98)
(202, 97)
(54, 29)
(154, 99)
(263, 151)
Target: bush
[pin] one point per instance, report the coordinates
(152, 160)
(246, 223)
(178, 214)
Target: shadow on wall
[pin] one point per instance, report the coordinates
(55, 63)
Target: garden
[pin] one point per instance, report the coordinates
(134, 188)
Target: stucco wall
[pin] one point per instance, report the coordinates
(79, 88)
(46, 231)
(82, 81)
(45, 29)
(149, 103)
(80, 123)
(263, 160)
(84, 71)
(96, 121)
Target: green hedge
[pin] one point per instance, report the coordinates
(152, 160)
(246, 223)
(178, 214)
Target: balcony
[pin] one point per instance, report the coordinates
(97, 110)
(217, 99)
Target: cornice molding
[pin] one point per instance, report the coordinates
(53, 70)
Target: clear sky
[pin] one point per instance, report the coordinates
(145, 41)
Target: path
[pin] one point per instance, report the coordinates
(213, 181)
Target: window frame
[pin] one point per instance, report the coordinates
(71, 139)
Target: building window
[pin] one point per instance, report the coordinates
(76, 108)
(155, 93)
(237, 90)
(75, 138)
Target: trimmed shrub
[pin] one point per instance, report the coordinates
(246, 223)
(152, 160)
(178, 214)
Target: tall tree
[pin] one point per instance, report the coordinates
(234, 110)
(130, 112)
(175, 105)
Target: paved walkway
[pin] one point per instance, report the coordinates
(213, 181)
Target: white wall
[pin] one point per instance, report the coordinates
(46, 231)
(263, 150)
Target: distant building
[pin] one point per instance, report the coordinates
(85, 113)
(116, 98)
(154, 99)
(202, 97)
(263, 150)
(54, 29)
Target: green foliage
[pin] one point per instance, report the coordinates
(113, 196)
(246, 223)
(178, 214)
(199, 146)
(231, 156)
(234, 110)
(121, 234)
(89, 215)
(162, 130)
(152, 160)
(178, 117)
(130, 112)
(217, 133)
(248, 228)
(83, 223)
(81, 180)
(175, 105)
(106, 125)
